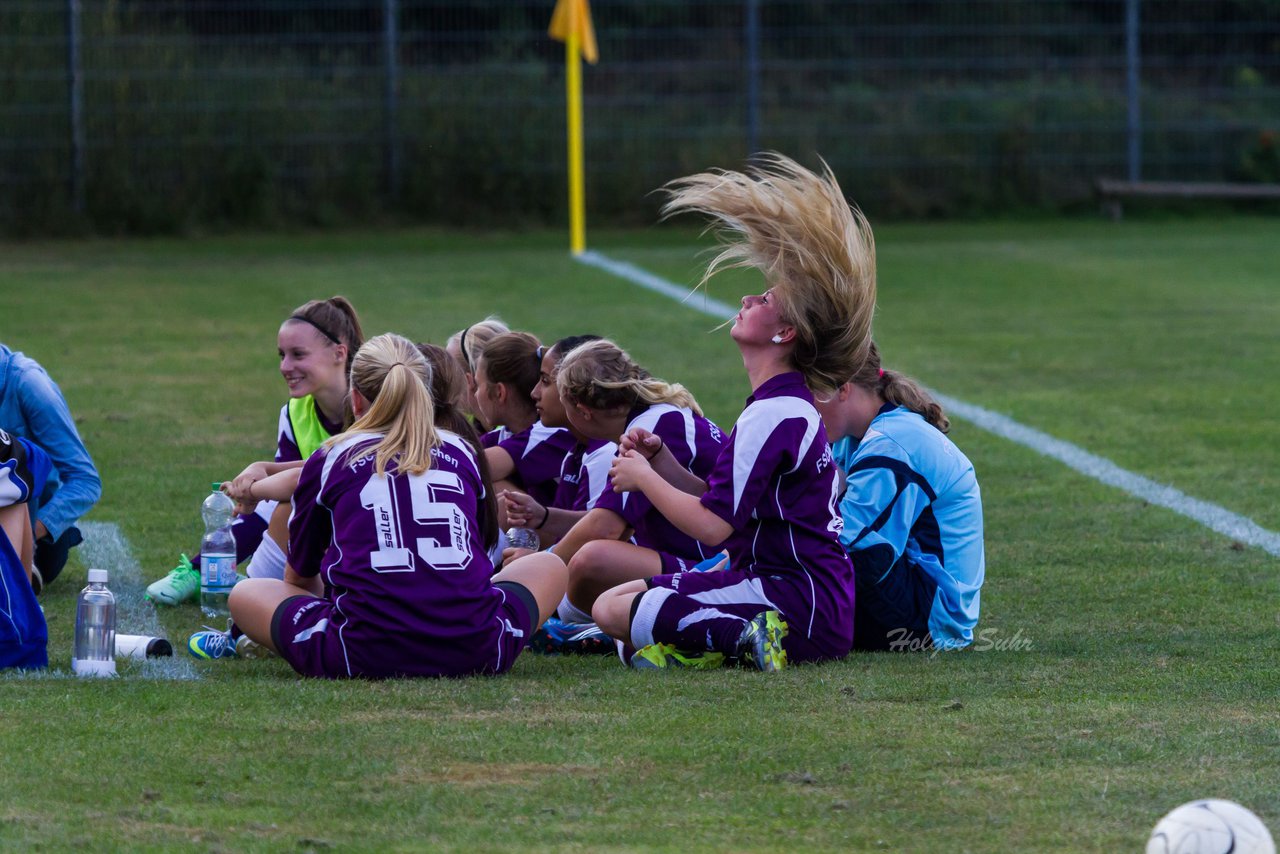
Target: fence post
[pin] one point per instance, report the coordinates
(75, 106)
(391, 96)
(1133, 89)
(751, 35)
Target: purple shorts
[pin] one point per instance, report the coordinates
(745, 594)
(299, 631)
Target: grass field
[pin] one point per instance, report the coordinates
(1131, 655)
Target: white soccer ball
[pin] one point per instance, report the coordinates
(1210, 827)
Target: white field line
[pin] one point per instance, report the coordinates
(106, 548)
(1210, 515)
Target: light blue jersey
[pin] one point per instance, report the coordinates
(912, 496)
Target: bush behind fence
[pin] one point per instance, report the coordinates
(201, 113)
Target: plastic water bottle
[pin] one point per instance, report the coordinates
(95, 648)
(217, 553)
(523, 538)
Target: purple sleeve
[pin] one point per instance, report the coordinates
(593, 475)
(762, 446)
(538, 453)
(310, 525)
(286, 449)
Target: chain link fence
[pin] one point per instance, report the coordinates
(161, 115)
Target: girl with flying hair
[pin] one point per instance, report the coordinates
(606, 395)
(788, 594)
(912, 513)
(388, 575)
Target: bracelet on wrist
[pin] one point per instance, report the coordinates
(546, 514)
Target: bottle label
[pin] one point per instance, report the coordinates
(218, 572)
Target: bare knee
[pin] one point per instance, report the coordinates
(612, 609)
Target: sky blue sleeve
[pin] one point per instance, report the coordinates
(50, 425)
(880, 507)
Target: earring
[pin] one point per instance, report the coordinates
(777, 339)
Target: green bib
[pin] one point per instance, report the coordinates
(308, 433)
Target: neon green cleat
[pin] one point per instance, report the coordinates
(761, 642)
(658, 656)
(182, 584)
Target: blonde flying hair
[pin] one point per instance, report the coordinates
(601, 375)
(395, 378)
(816, 252)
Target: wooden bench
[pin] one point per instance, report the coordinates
(1112, 192)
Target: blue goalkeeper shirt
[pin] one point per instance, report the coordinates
(911, 495)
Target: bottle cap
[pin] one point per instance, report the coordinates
(217, 486)
(97, 576)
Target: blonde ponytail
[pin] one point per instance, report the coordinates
(393, 376)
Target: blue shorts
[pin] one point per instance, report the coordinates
(299, 633)
(893, 613)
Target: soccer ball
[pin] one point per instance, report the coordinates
(1210, 827)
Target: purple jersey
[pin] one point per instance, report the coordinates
(401, 559)
(776, 484)
(583, 475)
(287, 443)
(538, 454)
(695, 443)
(494, 436)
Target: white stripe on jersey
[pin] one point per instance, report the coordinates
(538, 434)
(596, 465)
(648, 419)
(756, 427)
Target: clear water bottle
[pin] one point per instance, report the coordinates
(217, 553)
(523, 538)
(95, 648)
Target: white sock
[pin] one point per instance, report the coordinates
(571, 613)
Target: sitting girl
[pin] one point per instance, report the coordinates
(623, 537)
(387, 574)
(912, 513)
(771, 499)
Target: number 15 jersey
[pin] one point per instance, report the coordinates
(401, 558)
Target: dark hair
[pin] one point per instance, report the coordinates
(512, 358)
(447, 385)
(566, 345)
(335, 318)
(901, 390)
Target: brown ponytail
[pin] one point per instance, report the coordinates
(900, 390)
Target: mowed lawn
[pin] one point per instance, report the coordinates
(1127, 660)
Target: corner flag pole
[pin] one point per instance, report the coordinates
(571, 23)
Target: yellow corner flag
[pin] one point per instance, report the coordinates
(574, 17)
(571, 24)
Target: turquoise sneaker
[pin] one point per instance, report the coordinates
(660, 656)
(212, 644)
(761, 642)
(182, 584)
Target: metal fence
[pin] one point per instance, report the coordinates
(153, 115)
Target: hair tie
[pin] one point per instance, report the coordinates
(325, 332)
(881, 374)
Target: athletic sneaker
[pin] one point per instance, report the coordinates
(182, 584)
(760, 644)
(556, 637)
(658, 656)
(247, 647)
(211, 644)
